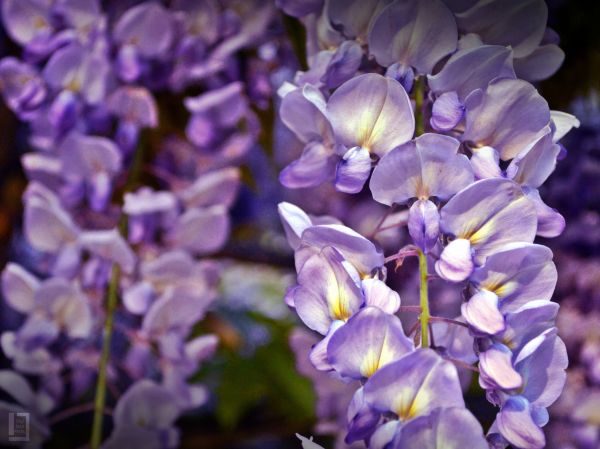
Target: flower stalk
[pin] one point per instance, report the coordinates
(111, 306)
(419, 99)
(424, 300)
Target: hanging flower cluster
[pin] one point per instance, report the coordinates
(109, 216)
(431, 104)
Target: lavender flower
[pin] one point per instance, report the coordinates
(485, 143)
(107, 211)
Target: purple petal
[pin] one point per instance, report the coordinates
(384, 435)
(353, 18)
(518, 274)
(201, 348)
(378, 294)
(404, 74)
(344, 64)
(202, 230)
(516, 424)
(540, 64)
(529, 322)
(496, 369)
(353, 170)
(111, 246)
(425, 167)
(417, 34)
(327, 292)
(424, 224)
(482, 313)
(318, 355)
(66, 305)
(172, 314)
(486, 163)
(22, 87)
(532, 166)
(508, 116)
(355, 248)
(225, 105)
(373, 112)
(78, 70)
(147, 405)
(520, 24)
(308, 443)
(454, 341)
(300, 8)
(169, 267)
(80, 14)
(138, 297)
(456, 261)
(139, 25)
(129, 67)
(562, 123)
(127, 136)
(370, 340)
(64, 110)
(146, 201)
(447, 112)
(315, 165)
(134, 105)
(550, 222)
(294, 221)
(48, 227)
(83, 156)
(15, 385)
(544, 369)
(18, 288)
(27, 20)
(486, 63)
(212, 188)
(412, 386)
(45, 169)
(490, 213)
(450, 428)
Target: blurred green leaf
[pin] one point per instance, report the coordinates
(267, 377)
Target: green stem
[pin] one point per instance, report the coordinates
(424, 295)
(419, 99)
(100, 398)
(111, 306)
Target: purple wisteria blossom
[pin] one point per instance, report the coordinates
(456, 139)
(122, 227)
(414, 152)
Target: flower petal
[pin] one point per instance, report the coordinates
(485, 62)
(490, 213)
(439, 429)
(516, 424)
(414, 33)
(482, 313)
(370, 340)
(353, 170)
(373, 112)
(447, 112)
(378, 294)
(496, 369)
(508, 116)
(428, 166)
(18, 287)
(424, 224)
(327, 292)
(456, 261)
(414, 386)
(518, 274)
